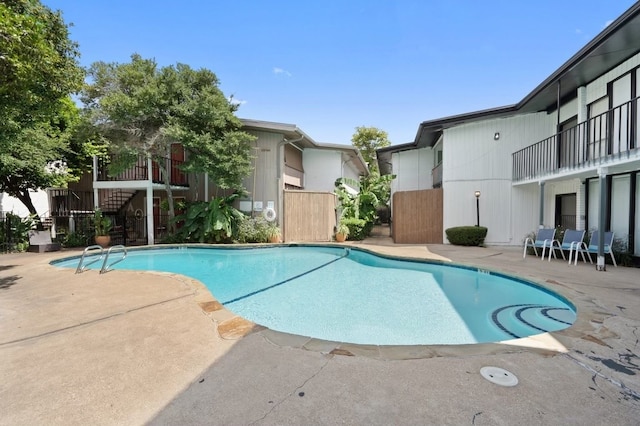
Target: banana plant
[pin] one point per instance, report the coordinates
(210, 222)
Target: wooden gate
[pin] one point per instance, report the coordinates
(417, 217)
(308, 216)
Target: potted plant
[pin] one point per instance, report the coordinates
(274, 234)
(101, 225)
(342, 232)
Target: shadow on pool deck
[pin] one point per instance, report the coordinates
(134, 347)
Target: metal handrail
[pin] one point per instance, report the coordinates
(106, 268)
(81, 267)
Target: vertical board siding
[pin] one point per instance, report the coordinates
(414, 169)
(322, 168)
(309, 216)
(417, 217)
(620, 207)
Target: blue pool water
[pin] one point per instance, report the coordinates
(349, 295)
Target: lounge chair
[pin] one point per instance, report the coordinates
(543, 240)
(570, 241)
(593, 247)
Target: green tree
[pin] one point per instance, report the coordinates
(142, 109)
(38, 72)
(368, 140)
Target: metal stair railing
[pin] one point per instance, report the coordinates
(83, 266)
(106, 268)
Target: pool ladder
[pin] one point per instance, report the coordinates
(82, 266)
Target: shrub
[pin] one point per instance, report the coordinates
(14, 232)
(75, 239)
(254, 230)
(359, 229)
(466, 235)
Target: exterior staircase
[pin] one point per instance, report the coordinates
(113, 200)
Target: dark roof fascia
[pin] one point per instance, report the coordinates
(583, 53)
(428, 131)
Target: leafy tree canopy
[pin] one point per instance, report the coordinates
(367, 140)
(38, 65)
(38, 72)
(143, 108)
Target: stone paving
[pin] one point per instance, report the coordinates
(137, 348)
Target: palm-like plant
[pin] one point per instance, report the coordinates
(210, 222)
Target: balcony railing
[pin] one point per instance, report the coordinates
(605, 137)
(65, 202)
(139, 170)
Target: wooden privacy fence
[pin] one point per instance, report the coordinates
(417, 217)
(308, 216)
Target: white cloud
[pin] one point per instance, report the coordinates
(606, 24)
(281, 71)
(578, 31)
(235, 101)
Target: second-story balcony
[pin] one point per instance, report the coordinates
(602, 140)
(138, 170)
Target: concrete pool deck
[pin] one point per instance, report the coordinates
(136, 348)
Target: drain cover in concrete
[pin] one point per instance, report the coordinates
(499, 376)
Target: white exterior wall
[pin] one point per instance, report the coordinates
(413, 170)
(598, 87)
(637, 233)
(620, 205)
(474, 161)
(322, 168)
(568, 110)
(620, 187)
(39, 198)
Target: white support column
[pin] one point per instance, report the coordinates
(541, 215)
(96, 202)
(602, 174)
(582, 104)
(150, 224)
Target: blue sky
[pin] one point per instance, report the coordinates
(329, 66)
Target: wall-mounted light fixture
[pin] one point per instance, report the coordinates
(496, 136)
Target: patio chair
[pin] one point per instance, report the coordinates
(543, 240)
(593, 247)
(570, 241)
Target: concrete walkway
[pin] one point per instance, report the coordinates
(136, 348)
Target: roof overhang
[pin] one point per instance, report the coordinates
(294, 135)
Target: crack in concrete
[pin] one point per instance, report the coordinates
(93, 321)
(292, 392)
(625, 389)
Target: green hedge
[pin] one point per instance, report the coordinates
(466, 235)
(359, 229)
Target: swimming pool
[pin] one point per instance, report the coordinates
(350, 295)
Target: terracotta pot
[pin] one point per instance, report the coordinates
(340, 238)
(274, 239)
(103, 240)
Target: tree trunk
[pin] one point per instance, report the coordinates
(167, 186)
(25, 198)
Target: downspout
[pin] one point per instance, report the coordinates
(279, 192)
